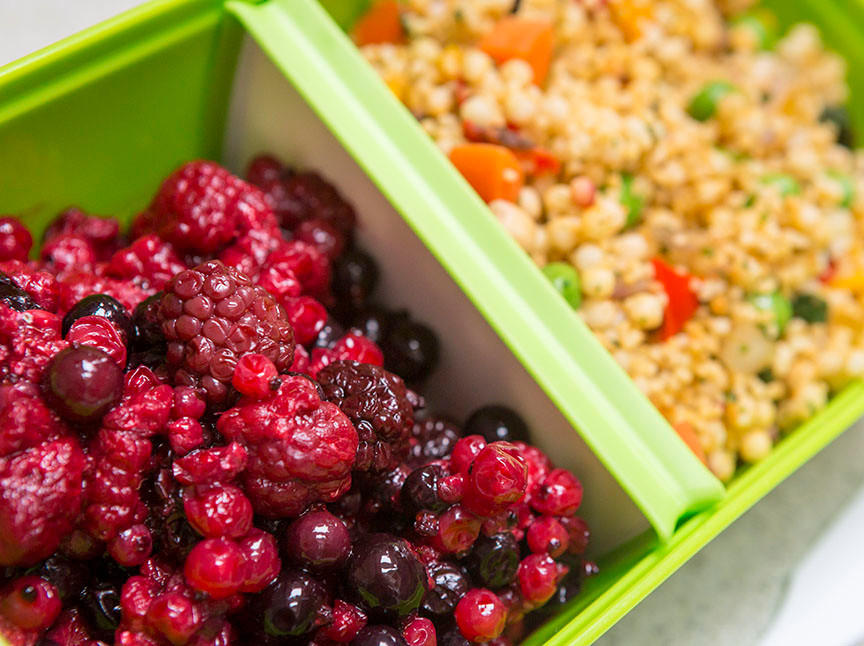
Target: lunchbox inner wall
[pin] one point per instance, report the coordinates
(267, 114)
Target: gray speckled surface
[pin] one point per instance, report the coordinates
(727, 594)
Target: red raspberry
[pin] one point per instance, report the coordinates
(480, 615)
(307, 196)
(40, 497)
(377, 403)
(208, 466)
(69, 630)
(15, 239)
(496, 479)
(25, 419)
(351, 347)
(249, 253)
(322, 235)
(301, 449)
(103, 234)
(28, 342)
(211, 316)
(307, 317)
(98, 332)
(41, 286)
(263, 169)
(199, 208)
(262, 563)
(185, 435)
(215, 511)
(215, 566)
(348, 620)
(76, 285)
(301, 360)
(310, 266)
(149, 261)
(278, 278)
(68, 252)
(560, 494)
(254, 376)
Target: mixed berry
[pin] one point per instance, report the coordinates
(210, 434)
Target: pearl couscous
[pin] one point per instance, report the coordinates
(687, 166)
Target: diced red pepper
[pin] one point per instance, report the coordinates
(682, 301)
(829, 272)
(535, 160)
(538, 161)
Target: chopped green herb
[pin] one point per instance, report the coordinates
(630, 200)
(566, 280)
(703, 105)
(750, 201)
(730, 396)
(777, 304)
(846, 186)
(766, 375)
(762, 23)
(810, 307)
(786, 184)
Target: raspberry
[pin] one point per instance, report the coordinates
(278, 278)
(68, 252)
(28, 341)
(480, 615)
(15, 240)
(207, 466)
(149, 261)
(254, 375)
(322, 235)
(211, 316)
(377, 403)
(103, 234)
(249, 253)
(547, 536)
(173, 616)
(310, 266)
(23, 288)
(185, 435)
(348, 620)
(215, 566)
(69, 630)
(560, 494)
(199, 207)
(25, 419)
(217, 511)
(76, 285)
(40, 496)
(301, 449)
(99, 333)
(496, 479)
(262, 560)
(301, 361)
(308, 196)
(307, 317)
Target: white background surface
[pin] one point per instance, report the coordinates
(731, 592)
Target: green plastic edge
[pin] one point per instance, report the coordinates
(620, 425)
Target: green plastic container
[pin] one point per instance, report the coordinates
(99, 119)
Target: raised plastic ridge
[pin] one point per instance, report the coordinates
(620, 425)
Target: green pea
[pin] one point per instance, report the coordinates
(566, 280)
(630, 200)
(846, 185)
(786, 184)
(763, 25)
(777, 304)
(810, 307)
(703, 105)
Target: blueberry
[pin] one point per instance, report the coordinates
(420, 491)
(497, 423)
(385, 575)
(493, 560)
(450, 583)
(99, 305)
(411, 350)
(355, 275)
(317, 540)
(374, 322)
(378, 636)
(82, 383)
(14, 296)
(291, 605)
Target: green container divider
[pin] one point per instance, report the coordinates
(620, 425)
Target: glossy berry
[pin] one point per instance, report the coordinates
(497, 424)
(329, 334)
(220, 510)
(30, 603)
(15, 239)
(174, 616)
(307, 317)
(215, 566)
(132, 546)
(493, 560)
(497, 478)
(65, 574)
(147, 326)
(560, 494)
(411, 350)
(547, 536)
(263, 169)
(262, 563)
(449, 584)
(100, 604)
(15, 297)
(420, 491)
(374, 322)
(254, 376)
(322, 235)
(538, 576)
(82, 383)
(293, 605)
(348, 620)
(578, 533)
(100, 333)
(385, 575)
(355, 276)
(379, 635)
(317, 540)
(457, 530)
(433, 439)
(419, 631)
(480, 615)
(464, 452)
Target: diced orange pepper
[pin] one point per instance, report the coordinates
(853, 282)
(493, 170)
(523, 38)
(381, 24)
(688, 435)
(631, 16)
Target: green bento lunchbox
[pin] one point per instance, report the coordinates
(98, 119)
